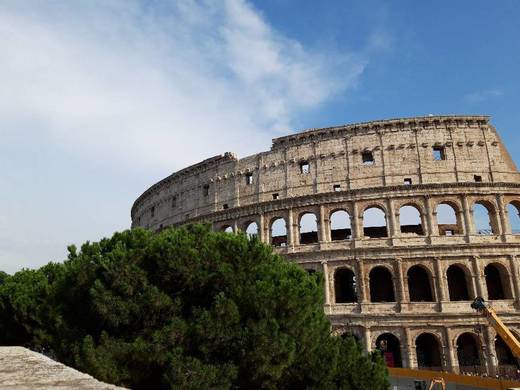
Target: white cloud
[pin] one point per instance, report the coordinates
(483, 95)
(95, 93)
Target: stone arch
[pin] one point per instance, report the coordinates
(390, 348)
(381, 285)
(468, 352)
(278, 232)
(458, 282)
(251, 228)
(374, 222)
(340, 227)
(448, 219)
(410, 220)
(497, 281)
(227, 229)
(420, 286)
(308, 228)
(513, 211)
(345, 286)
(483, 218)
(428, 351)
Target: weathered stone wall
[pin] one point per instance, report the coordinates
(423, 162)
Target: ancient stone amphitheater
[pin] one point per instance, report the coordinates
(408, 219)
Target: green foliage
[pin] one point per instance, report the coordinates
(186, 308)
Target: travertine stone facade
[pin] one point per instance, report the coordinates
(405, 289)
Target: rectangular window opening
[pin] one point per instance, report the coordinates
(449, 232)
(205, 190)
(225, 206)
(152, 211)
(337, 187)
(305, 168)
(439, 153)
(174, 202)
(367, 158)
(478, 178)
(407, 181)
(275, 196)
(249, 179)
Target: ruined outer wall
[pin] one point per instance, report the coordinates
(475, 169)
(401, 149)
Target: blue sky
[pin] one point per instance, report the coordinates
(101, 98)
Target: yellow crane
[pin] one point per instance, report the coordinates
(502, 330)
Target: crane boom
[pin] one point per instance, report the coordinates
(502, 330)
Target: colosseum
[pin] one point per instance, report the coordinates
(408, 219)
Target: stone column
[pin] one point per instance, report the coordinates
(356, 223)
(477, 275)
(290, 229)
(490, 355)
(408, 350)
(361, 281)
(441, 282)
(515, 279)
(326, 282)
(452, 361)
(261, 229)
(431, 218)
(393, 229)
(468, 217)
(235, 226)
(503, 215)
(368, 339)
(403, 296)
(324, 226)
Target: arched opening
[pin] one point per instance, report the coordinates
(227, 229)
(252, 229)
(513, 211)
(419, 284)
(279, 232)
(496, 281)
(428, 351)
(381, 285)
(390, 348)
(457, 284)
(340, 228)
(345, 286)
(374, 223)
(308, 229)
(468, 352)
(508, 365)
(447, 220)
(482, 220)
(410, 221)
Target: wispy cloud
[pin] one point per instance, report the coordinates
(483, 95)
(92, 92)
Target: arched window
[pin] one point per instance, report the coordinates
(447, 220)
(227, 229)
(410, 221)
(252, 229)
(513, 210)
(419, 284)
(468, 352)
(308, 229)
(390, 348)
(345, 286)
(340, 228)
(278, 232)
(506, 360)
(381, 285)
(374, 223)
(497, 281)
(481, 219)
(428, 352)
(457, 284)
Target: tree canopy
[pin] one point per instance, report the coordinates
(186, 308)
